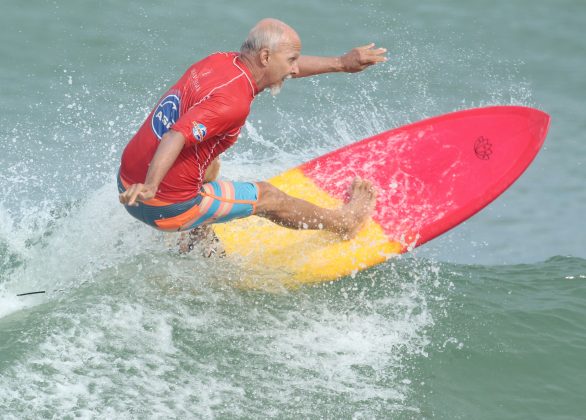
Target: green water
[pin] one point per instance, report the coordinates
(485, 322)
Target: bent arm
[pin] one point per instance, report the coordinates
(355, 60)
(171, 145)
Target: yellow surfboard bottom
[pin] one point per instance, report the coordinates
(302, 256)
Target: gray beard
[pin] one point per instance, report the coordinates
(275, 90)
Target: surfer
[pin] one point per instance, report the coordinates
(168, 169)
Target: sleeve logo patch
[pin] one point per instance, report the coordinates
(199, 131)
(166, 114)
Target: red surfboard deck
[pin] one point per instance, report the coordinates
(436, 173)
(430, 176)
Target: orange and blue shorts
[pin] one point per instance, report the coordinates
(217, 202)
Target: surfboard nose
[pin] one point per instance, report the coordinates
(538, 124)
(542, 121)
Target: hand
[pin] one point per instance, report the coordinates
(137, 192)
(359, 58)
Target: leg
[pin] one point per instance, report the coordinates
(295, 213)
(203, 234)
(212, 171)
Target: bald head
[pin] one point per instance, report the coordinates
(271, 53)
(268, 33)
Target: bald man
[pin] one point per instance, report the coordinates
(168, 169)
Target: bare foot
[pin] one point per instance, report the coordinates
(357, 211)
(203, 236)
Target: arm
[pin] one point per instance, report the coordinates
(353, 61)
(171, 145)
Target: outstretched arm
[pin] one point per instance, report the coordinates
(355, 60)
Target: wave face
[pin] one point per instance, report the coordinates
(483, 322)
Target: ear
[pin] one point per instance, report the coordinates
(264, 57)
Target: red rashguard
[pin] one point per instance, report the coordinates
(208, 105)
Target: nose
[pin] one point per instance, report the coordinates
(295, 68)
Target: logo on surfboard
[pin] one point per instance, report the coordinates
(483, 148)
(166, 114)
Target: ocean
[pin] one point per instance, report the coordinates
(483, 322)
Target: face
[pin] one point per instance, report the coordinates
(283, 63)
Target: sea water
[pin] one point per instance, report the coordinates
(486, 321)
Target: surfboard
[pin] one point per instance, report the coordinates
(430, 176)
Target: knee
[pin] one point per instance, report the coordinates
(212, 171)
(269, 198)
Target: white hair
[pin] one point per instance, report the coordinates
(267, 35)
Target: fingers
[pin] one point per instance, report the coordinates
(373, 59)
(366, 47)
(376, 54)
(131, 195)
(367, 55)
(359, 58)
(370, 49)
